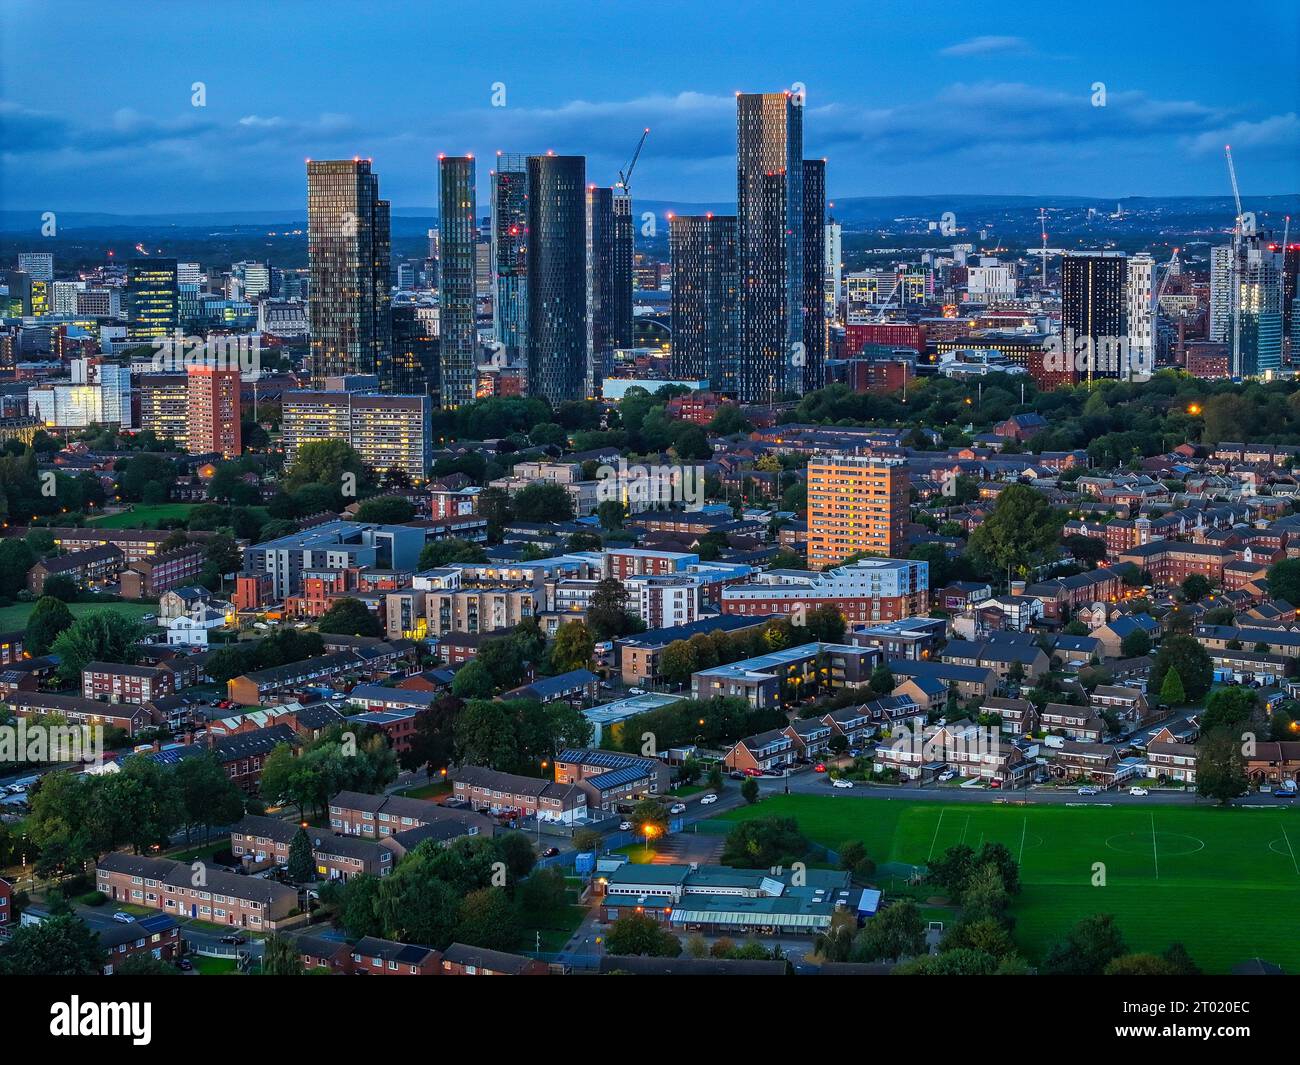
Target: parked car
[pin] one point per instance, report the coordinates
(841, 783)
(995, 783)
(625, 826)
(736, 774)
(550, 852)
(677, 808)
(751, 772)
(235, 939)
(1087, 789)
(1138, 791)
(1284, 793)
(709, 799)
(123, 918)
(184, 964)
(636, 691)
(820, 767)
(947, 774)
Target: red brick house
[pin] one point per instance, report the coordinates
(461, 960)
(6, 907)
(157, 936)
(116, 682)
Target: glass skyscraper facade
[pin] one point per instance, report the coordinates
(1094, 301)
(770, 243)
(152, 299)
(458, 239)
(349, 248)
(557, 277)
(814, 273)
(609, 279)
(510, 253)
(705, 299)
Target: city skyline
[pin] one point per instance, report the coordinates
(934, 103)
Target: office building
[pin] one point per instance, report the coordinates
(705, 299)
(19, 300)
(152, 299)
(557, 277)
(38, 265)
(415, 350)
(348, 251)
(856, 503)
(770, 242)
(457, 284)
(213, 412)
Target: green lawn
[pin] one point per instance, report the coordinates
(1222, 882)
(14, 617)
(144, 516)
(434, 790)
(214, 966)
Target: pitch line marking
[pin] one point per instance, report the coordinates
(1024, 828)
(1155, 847)
(936, 836)
(1289, 847)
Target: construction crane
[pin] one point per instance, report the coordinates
(625, 179)
(1159, 291)
(1044, 251)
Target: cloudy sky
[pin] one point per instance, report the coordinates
(918, 97)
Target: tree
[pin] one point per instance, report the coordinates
(1219, 772)
(611, 513)
(208, 796)
(49, 618)
(145, 965)
(386, 510)
(543, 502)
(1139, 965)
(1136, 644)
(607, 612)
(1284, 580)
(16, 558)
(1230, 708)
(444, 552)
(358, 906)
(433, 742)
(1091, 945)
(749, 790)
(764, 842)
(640, 934)
(302, 864)
(1190, 659)
(472, 681)
(486, 734)
(414, 905)
(882, 681)
(895, 932)
(58, 946)
(61, 586)
(573, 647)
(350, 617)
(1172, 692)
(488, 920)
(1195, 588)
(1018, 533)
(280, 956)
(1087, 549)
(678, 662)
(101, 636)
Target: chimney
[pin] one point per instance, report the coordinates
(1017, 587)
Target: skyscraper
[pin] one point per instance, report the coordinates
(557, 277)
(1140, 315)
(705, 299)
(152, 299)
(510, 253)
(855, 503)
(834, 268)
(1260, 310)
(348, 248)
(1094, 304)
(609, 278)
(213, 411)
(458, 239)
(814, 274)
(770, 242)
(415, 351)
(1221, 293)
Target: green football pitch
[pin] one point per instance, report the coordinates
(1225, 883)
